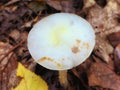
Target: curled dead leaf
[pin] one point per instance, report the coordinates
(114, 38)
(62, 5)
(89, 3)
(101, 75)
(4, 48)
(37, 6)
(8, 63)
(117, 59)
(103, 48)
(15, 34)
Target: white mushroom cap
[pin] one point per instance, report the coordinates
(61, 41)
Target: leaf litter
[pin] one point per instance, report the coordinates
(99, 72)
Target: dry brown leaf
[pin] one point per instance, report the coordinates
(24, 35)
(37, 6)
(103, 48)
(55, 4)
(15, 34)
(104, 22)
(114, 38)
(11, 2)
(62, 5)
(101, 75)
(89, 3)
(4, 48)
(118, 1)
(117, 59)
(7, 66)
(104, 19)
(101, 3)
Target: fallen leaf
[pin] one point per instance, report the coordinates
(15, 18)
(101, 3)
(11, 2)
(104, 21)
(117, 59)
(62, 5)
(37, 6)
(101, 75)
(30, 81)
(8, 63)
(114, 38)
(118, 1)
(89, 3)
(78, 5)
(4, 48)
(103, 48)
(15, 34)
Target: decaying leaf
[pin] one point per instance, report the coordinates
(15, 34)
(62, 5)
(4, 48)
(30, 81)
(114, 38)
(104, 23)
(101, 3)
(118, 1)
(16, 19)
(117, 59)
(8, 63)
(103, 48)
(89, 3)
(37, 6)
(101, 75)
(104, 20)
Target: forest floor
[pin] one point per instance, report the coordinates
(101, 71)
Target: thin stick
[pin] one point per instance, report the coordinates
(12, 49)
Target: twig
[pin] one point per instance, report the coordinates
(11, 2)
(1, 70)
(12, 49)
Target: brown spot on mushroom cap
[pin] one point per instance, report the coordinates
(75, 49)
(50, 60)
(86, 45)
(44, 58)
(78, 41)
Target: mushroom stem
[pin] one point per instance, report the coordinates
(63, 78)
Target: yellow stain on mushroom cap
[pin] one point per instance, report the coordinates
(57, 35)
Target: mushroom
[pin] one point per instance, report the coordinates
(61, 41)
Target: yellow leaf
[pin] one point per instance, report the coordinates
(30, 81)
